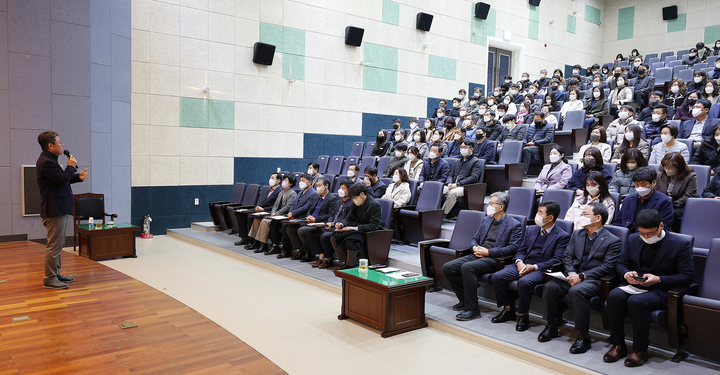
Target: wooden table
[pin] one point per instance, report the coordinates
(380, 301)
(108, 242)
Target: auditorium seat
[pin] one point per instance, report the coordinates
(574, 133)
(655, 66)
(685, 74)
(248, 201)
(664, 56)
(509, 170)
(521, 202)
(564, 198)
(382, 164)
(610, 167)
(703, 176)
(377, 242)
(677, 69)
(699, 67)
(216, 208)
(687, 142)
(366, 162)
(423, 221)
(323, 161)
(357, 149)
(369, 148)
(336, 164)
(350, 160)
(700, 220)
(386, 180)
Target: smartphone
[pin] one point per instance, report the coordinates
(410, 274)
(377, 266)
(641, 279)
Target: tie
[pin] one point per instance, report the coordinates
(543, 232)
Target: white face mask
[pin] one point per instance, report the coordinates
(531, 91)
(509, 125)
(584, 221)
(542, 75)
(428, 124)
(341, 193)
(500, 114)
(506, 101)
(464, 152)
(539, 220)
(413, 125)
(593, 190)
(272, 182)
(595, 84)
(548, 101)
(573, 97)
(654, 239)
(623, 115)
(467, 123)
(396, 178)
(656, 117)
(351, 174)
(717, 45)
(491, 102)
(643, 191)
(302, 185)
(636, 64)
(554, 158)
(697, 79)
(674, 89)
(596, 94)
(621, 83)
(717, 139)
(481, 111)
(412, 157)
(490, 210)
(432, 155)
(513, 92)
(575, 71)
(398, 137)
(486, 118)
(398, 154)
(462, 113)
(629, 135)
(717, 65)
(455, 105)
(526, 78)
(507, 81)
(666, 138)
(692, 54)
(457, 137)
(416, 137)
(709, 90)
(632, 166)
(320, 189)
(696, 112)
(435, 137)
(473, 102)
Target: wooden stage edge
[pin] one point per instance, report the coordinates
(76, 330)
(539, 359)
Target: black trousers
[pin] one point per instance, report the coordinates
(291, 241)
(276, 232)
(310, 238)
(327, 248)
(579, 294)
(639, 306)
(506, 297)
(243, 224)
(462, 273)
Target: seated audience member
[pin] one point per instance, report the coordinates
(511, 107)
(524, 112)
(664, 261)
(622, 182)
(710, 92)
(590, 254)
(499, 235)
(491, 127)
(619, 96)
(442, 106)
(492, 103)
(633, 71)
(692, 58)
(703, 51)
(353, 173)
(261, 225)
(462, 94)
(554, 175)
(365, 217)
(429, 128)
(398, 160)
(612, 80)
(511, 131)
(436, 140)
(414, 128)
(698, 83)
(454, 150)
(414, 164)
(683, 113)
(700, 127)
(538, 133)
(375, 186)
(483, 148)
(557, 93)
(420, 142)
(652, 128)
(319, 212)
(382, 146)
(439, 121)
(644, 83)
(314, 172)
(514, 93)
(305, 201)
(468, 123)
(267, 203)
(655, 98)
(713, 188)
(634, 54)
(525, 80)
(543, 246)
(676, 96)
(544, 80)
(399, 190)
(709, 152)
(549, 117)
(315, 240)
(596, 190)
(595, 108)
(435, 168)
(598, 139)
(679, 182)
(552, 101)
(572, 104)
(631, 138)
(592, 161)
(399, 139)
(474, 105)
(644, 197)
(465, 172)
(449, 130)
(668, 135)
(396, 124)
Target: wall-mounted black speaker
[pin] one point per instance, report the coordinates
(482, 10)
(353, 36)
(263, 53)
(535, 2)
(670, 13)
(423, 21)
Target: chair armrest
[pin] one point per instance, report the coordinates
(475, 196)
(218, 202)
(113, 216)
(675, 313)
(409, 207)
(501, 262)
(424, 252)
(607, 283)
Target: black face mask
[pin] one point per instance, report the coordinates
(654, 102)
(396, 126)
(691, 102)
(480, 136)
(554, 88)
(594, 138)
(538, 123)
(589, 161)
(380, 138)
(641, 71)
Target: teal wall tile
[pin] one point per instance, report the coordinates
(449, 69)
(678, 24)
(712, 33)
(571, 24)
(221, 114)
(272, 34)
(481, 29)
(391, 12)
(435, 66)
(372, 78)
(293, 67)
(533, 30)
(380, 71)
(381, 56)
(534, 13)
(389, 82)
(193, 113)
(592, 14)
(626, 23)
(293, 41)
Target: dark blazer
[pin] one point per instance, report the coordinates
(56, 196)
(327, 207)
(708, 154)
(269, 201)
(517, 134)
(304, 203)
(441, 171)
(602, 257)
(541, 135)
(657, 201)
(346, 207)
(377, 189)
(682, 190)
(643, 85)
(552, 251)
(673, 263)
(454, 149)
(367, 217)
(508, 240)
(708, 128)
(597, 109)
(577, 181)
(486, 150)
(466, 171)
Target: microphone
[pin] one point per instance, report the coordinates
(67, 153)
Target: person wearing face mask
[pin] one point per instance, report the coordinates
(477, 92)
(514, 93)
(544, 80)
(414, 164)
(489, 125)
(449, 130)
(630, 138)
(375, 186)
(382, 145)
(511, 108)
(619, 58)
(711, 91)
(453, 112)
(620, 95)
(473, 105)
(466, 171)
(709, 152)
(692, 58)
(523, 112)
(622, 182)
(261, 225)
(436, 139)
(353, 173)
(665, 261)
(699, 81)
(313, 169)
(596, 190)
(590, 254)
(676, 96)
(305, 201)
(684, 112)
(592, 161)
(366, 216)
(616, 129)
(554, 175)
(396, 124)
(499, 235)
(555, 91)
(492, 102)
(457, 137)
(414, 127)
(572, 104)
(644, 83)
(656, 97)
(634, 54)
(484, 149)
(464, 99)
(701, 126)
(598, 139)
(679, 181)
(668, 144)
(651, 130)
(505, 87)
(315, 240)
(633, 73)
(398, 160)
(532, 89)
(525, 81)
(398, 139)
(420, 142)
(435, 168)
(510, 132)
(267, 203)
(543, 245)
(612, 79)
(442, 105)
(324, 205)
(538, 133)
(399, 190)
(605, 71)
(644, 197)
(549, 117)
(439, 120)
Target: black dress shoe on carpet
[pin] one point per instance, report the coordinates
(65, 279)
(504, 316)
(615, 353)
(244, 241)
(284, 254)
(460, 306)
(548, 334)
(298, 256)
(327, 263)
(261, 249)
(523, 323)
(308, 258)
(253, 245)
(468, 315)
(275, 249)
(581, 345)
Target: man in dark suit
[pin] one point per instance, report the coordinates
(375, 186)
(365, 217)
(654, 262)
(305, 200)
(266, 204)
(56, 203)
(644, 197)
(465, 172)
(543, 246)
(591, 254)
(701, 126)
(435, 168)
(644, 83)
(324, 206)
(499, 235)
(539, 132)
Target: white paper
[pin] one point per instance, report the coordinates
(316, 224)
(388, 270)
(557, 275)
(245, 210)
(279, 217)
(629, 289)
(262, 213)
(399, 275)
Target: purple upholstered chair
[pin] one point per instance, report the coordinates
(521, 202)
(509, 170)
(216, 208)
(350, 160)
(422, 221)
(357, 149)
(377, 243)
(323, 161)
(369, 148)
(249, 200)
(564, 198)
(382, 165)
(336, 164)
(700, 221)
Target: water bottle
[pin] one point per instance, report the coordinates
(91, 223)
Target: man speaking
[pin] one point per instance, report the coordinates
(56, 204)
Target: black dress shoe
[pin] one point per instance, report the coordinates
(253, 245)
(615, 353)
(523, 323)
(548, 333)
(65, 279)
(504, 316)
(284, 254)
(298, 256)
(244, 241)
(581, 345)
(468, 315)
(460, 306)
(308, 258)
(275, 249)
(262, 249)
